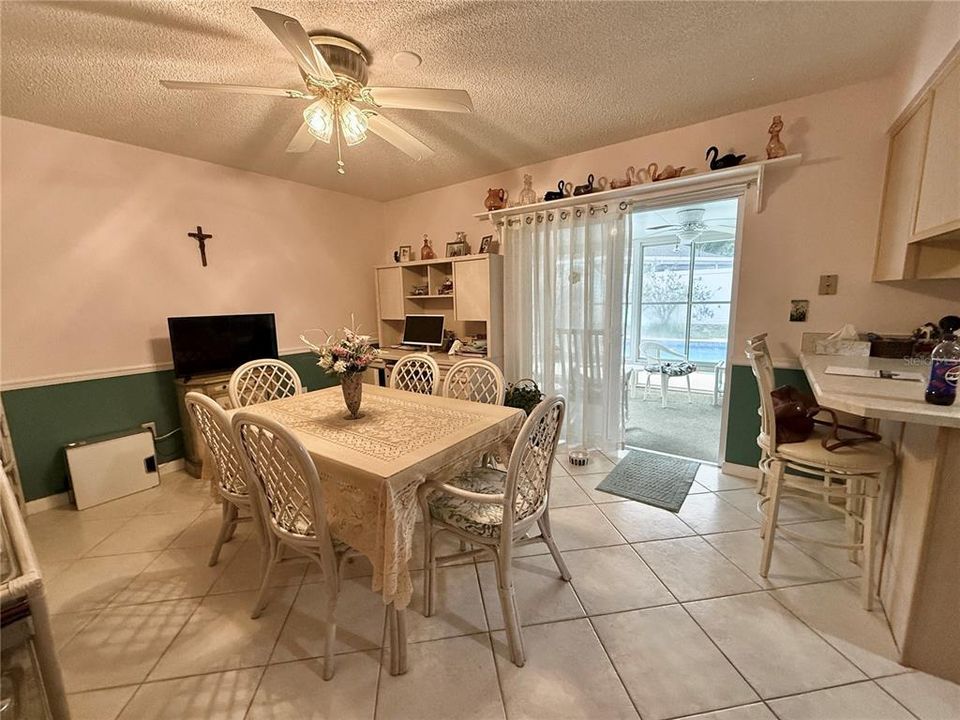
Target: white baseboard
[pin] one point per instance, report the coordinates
(747, 472)
(49, 502)
(171, 466)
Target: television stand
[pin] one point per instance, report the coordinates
(213, 386)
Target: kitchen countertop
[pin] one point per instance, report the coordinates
(898, 400)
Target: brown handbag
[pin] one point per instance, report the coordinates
(796, 412)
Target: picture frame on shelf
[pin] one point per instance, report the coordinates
(405, 252)
(457, 248)
(486, 244)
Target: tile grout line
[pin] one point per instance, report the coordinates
(706, 634)
(493, 652)
(894, 697)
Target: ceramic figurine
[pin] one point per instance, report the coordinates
(563, 190)
(725, 161)
(496, 199)
(627, 182)
(527, 195)
(668, 173)
(775, 148)
(601, 184)
(586, 188)
(426, 252)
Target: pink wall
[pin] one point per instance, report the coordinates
(938, 35)
(820, 217)
(95, 255)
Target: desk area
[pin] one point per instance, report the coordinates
(920, 575)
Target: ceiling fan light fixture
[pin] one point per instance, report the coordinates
(688, 236)
(353, 123)
(319, 118)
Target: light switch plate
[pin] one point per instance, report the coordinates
(828, 284)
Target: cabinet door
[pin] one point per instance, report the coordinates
(390, 293)
(900, 195)
(939, 206)
(471, 289)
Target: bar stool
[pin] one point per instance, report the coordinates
(854, 474)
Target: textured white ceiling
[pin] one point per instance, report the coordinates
(547, 78)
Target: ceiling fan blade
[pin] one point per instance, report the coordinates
(661, 227)
(302, 141)
(422, 99)
(716, 236)
(294, 38)
(243, 89)
(398, 137)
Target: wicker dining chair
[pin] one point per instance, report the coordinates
(854, 475)
(294, 513)
(417, 373)
(214, 426)
(494, 510)
(261, 380)
(475, 380)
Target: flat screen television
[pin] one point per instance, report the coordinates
(423, 330)
(220, 343)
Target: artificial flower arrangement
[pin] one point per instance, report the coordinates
(346, 357)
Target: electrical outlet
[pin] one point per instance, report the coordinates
(828, 284)
(151, 426)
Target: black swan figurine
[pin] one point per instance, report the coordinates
(727, 161)
(562, 191)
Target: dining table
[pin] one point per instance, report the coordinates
(371, 468)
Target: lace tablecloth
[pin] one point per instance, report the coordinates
(371, 467)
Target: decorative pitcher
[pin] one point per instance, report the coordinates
(496, 199)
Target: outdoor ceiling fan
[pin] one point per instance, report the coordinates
(334, 71)
(691, 228)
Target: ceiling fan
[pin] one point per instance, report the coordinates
(691, 228)
(334, 71)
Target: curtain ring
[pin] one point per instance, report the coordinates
(529, 219)
(539, 219)
(593, 211)
(549, 217)
(623, 205)
(604, 209)
(579, 212)
(564, 215)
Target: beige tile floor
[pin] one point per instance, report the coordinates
(665, 618)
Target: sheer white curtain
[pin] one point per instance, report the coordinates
(566, 274)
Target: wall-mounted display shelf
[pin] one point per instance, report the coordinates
(748, 174)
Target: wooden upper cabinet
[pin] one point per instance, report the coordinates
(471, 289)
(900, 193)
(390, 293)
(920, 215)
(938, 211)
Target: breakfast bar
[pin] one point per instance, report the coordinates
(920, 572)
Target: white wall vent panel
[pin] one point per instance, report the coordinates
(107, 468)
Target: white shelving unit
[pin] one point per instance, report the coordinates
(475, 307)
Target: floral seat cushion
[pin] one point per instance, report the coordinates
(484, 519)
(671, 369)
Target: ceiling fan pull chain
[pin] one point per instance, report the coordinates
(336, 122)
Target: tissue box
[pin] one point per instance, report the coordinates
(837, 346)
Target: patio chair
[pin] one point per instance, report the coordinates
(661, 360)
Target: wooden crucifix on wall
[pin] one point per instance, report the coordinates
(201, 237)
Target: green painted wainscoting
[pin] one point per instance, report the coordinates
(43, 419)
(743, 422)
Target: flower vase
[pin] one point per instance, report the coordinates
(352, 386)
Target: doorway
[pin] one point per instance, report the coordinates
(678, 327)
